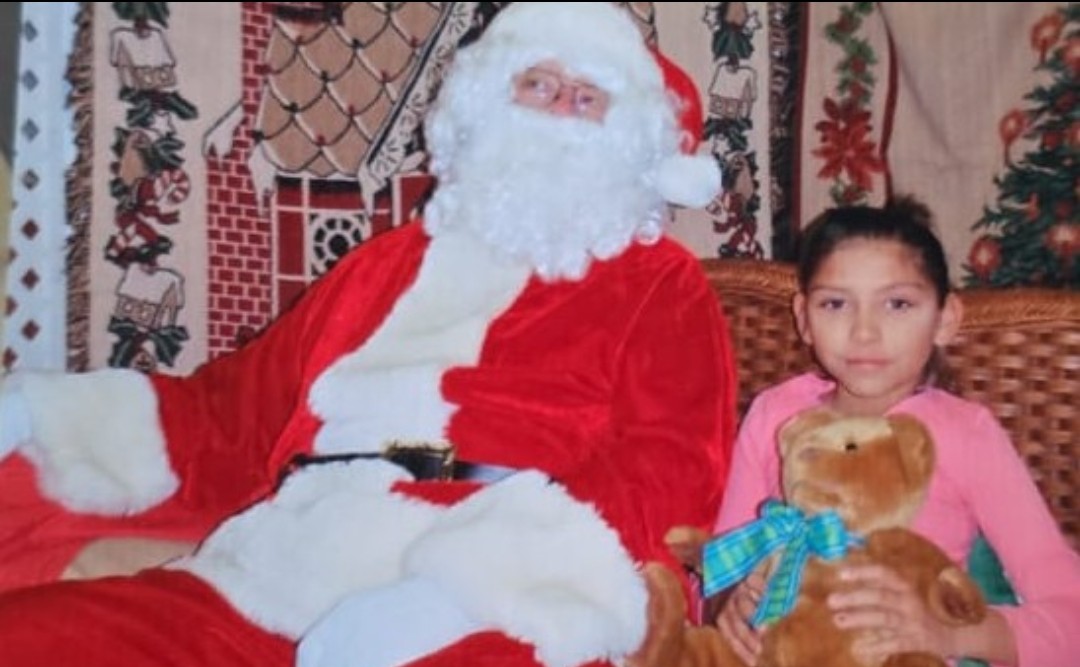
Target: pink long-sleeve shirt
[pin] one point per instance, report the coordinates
(980, 484)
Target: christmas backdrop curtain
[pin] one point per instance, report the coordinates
(229, 153)
(971, 106)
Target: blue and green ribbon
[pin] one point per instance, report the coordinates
(731, 557)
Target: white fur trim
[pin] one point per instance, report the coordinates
(97, 441)
(365, 410)
(523, 556)
(389, 389)
(332, 529)
(592, 39)
(689, 180)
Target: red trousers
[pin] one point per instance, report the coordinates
(39, 538)
(163, 618)
(157, 618)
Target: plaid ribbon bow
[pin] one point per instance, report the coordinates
(729, 558)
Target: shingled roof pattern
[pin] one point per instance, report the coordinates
(330, 87)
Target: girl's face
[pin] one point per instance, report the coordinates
(873, 320)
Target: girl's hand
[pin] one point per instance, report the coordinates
(890, 616)
(734, 619)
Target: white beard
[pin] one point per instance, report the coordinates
(553, 192)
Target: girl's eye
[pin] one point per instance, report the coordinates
(831, 304)
(899, 304)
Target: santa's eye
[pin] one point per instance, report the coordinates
(589, 98)
(545, 90)
(535, 85)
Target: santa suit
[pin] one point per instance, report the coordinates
(619, 386)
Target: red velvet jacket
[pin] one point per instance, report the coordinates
(620, 385)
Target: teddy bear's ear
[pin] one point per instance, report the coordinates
(916, 448)
(793, 429)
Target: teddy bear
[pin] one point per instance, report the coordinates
(854, 483)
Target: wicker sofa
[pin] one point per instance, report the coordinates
(1018, 352)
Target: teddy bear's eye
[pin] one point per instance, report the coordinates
(850, 447)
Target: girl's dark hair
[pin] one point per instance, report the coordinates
(902, 219)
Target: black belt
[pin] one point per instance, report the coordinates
(423, 463)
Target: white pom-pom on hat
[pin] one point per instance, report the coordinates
(689, 180)
(596, 40)
(686, 178)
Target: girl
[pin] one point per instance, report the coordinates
(874, 303)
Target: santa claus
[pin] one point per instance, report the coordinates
(565, 363)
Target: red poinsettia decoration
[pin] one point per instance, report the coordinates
(846, 146)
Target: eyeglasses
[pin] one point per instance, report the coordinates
(545, 90)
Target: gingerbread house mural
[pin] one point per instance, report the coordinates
(323, 151)
(733, 90)
(213, 197)
(148, 298)
(143, 58)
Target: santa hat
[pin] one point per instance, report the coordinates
(601, 42)
(686, 178)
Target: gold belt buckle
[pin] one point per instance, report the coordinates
(441, 452)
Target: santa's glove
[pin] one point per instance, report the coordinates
(15, 425)
(383, 627)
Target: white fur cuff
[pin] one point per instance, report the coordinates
(97, 441)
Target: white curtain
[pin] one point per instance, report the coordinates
(34, 332)
(5, 211)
